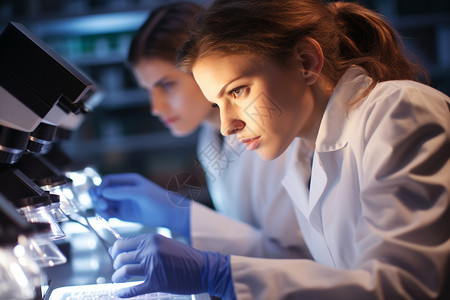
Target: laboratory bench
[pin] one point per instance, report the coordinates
(88, 259)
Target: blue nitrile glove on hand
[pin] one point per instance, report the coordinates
(170, 266)
(132, 197)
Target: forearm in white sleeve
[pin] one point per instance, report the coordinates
(212, 231)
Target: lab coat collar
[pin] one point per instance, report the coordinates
(334, 129)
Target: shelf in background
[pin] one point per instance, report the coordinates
(132, 143)
(92, 24)
(79, 15)
(125, 98)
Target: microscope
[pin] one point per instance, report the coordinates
(41, 94)
(19, 273)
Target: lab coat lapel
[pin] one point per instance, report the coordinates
(319, 180)
(297, 176)
(332, 138)
(297, 192)
(296, 184)
(325, 173)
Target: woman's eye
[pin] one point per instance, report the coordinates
(214, 105)
(237, 92)
(167, 85)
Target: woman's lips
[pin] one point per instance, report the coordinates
(251, 144)
(168, 121)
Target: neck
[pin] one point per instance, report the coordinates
(321, 94)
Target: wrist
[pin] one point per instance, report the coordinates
(181, 220)
(217, 275)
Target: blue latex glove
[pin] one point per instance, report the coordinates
(170, 266)
(132, 197)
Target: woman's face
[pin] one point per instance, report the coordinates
(265, 105)
(175, 97)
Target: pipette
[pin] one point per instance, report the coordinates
(106, 225)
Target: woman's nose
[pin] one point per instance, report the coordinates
(158, 104)
(233, 128)
(230, 124)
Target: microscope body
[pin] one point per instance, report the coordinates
(40, 93)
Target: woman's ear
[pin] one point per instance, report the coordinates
(309, 55)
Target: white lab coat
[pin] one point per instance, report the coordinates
(377, 215)
(254, 215)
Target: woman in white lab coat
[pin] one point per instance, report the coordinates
(374, 208)
(243, 223)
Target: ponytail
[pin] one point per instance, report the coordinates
(368, 41)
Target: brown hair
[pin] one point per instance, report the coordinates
(348, 33)
(163, 32)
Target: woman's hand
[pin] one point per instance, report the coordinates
(170, 266)
(132, 197)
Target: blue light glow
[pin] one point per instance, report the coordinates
(93, 24)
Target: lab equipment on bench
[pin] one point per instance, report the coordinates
(19, 273)
(39, 91)
(107, 291)
(43, 97)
